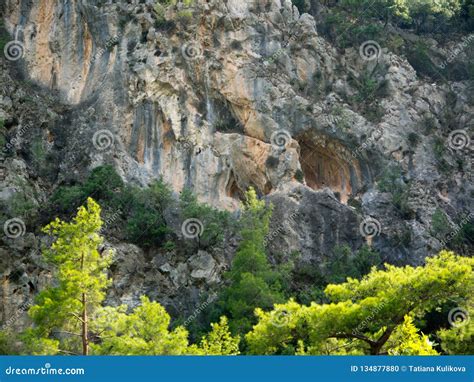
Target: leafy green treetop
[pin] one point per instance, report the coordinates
(220, 341)
(142, 332)
(363, 315)
(252, 281)
(61, 314)
(145, 331)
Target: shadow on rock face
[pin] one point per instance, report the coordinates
(327, 163)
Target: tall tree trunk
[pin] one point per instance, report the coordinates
(85, 339)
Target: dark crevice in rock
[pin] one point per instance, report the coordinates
(326, 163)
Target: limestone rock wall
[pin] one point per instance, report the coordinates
(219, 97)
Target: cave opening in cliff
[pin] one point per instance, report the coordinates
(327, 163)
(232, 189)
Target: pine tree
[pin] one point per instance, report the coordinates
(220, 341)
(368, 316)
(253, 283)
(62, 312)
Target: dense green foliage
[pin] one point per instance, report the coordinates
(253, 283)
(141, 211)
(349, 23)
(213, 220)
(458, 340)
(363, 310)
(311, 280)
(101, 184)
(418, 14)
(376, 314)
(65, 308)
(369, 316)
(69, 319)
(144, 212)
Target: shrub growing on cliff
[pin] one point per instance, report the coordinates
(102, 184)
(146, 225)
(391, 180)
(311, 279)
(214, 221)
(7, 343)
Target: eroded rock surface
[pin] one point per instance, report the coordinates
(238, 94)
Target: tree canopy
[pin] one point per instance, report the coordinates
(366, 316)
(61, 314)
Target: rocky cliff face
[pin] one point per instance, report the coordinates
(217, 97)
